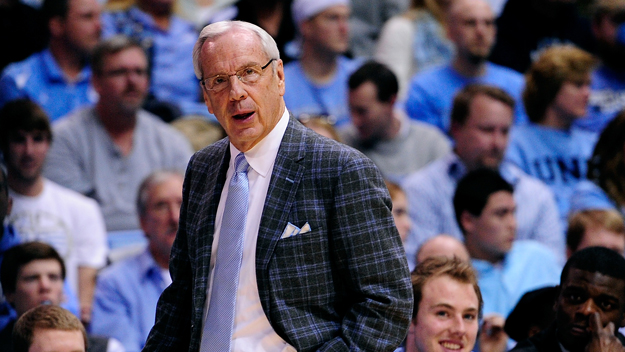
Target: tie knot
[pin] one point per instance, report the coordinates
(240, 163)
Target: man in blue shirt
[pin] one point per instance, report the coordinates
(481, 119)
(607, 90)
(58, 77)
(317, 82)
(471, 26)
(507, 268)
(127, 292)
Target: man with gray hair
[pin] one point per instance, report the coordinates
(106, 151)
(126, 293)
(286, 240)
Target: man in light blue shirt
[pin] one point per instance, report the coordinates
(507, 268)
(127, 292)
(471, 26)
(58, 77)
(317, 82)
(481, 118)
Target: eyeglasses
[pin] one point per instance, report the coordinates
(247, 75)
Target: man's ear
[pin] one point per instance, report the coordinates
(467, 222)
(56, 26)
(556, 303)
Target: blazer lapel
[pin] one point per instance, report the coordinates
(285, 179)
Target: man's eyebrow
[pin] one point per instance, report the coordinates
(251, 63)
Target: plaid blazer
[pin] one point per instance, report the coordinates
(342, 286)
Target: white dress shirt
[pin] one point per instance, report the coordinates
(252, 331)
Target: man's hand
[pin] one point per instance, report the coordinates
(603, 339)
(492, 336)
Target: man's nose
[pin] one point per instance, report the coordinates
(237, 89)
(588, 308)
(458, 326)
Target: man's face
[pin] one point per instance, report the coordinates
(572, 99)
(400, 215)
(81, 26)
(51, 340)
(371, 117)
(447, 318)
(490, 235)
(581, 295)
(247, 112)
(26, 154)
(160, 221)
(38, 281)
(482, 140)
(329, 29)
(471, 27)
(601, 237)
(123, 82)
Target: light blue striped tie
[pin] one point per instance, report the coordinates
(219, 323)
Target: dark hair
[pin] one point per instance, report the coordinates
(546, 76)
(474, 189)
(381, 76)
(433, 267)
(44, 317)
(54, 8)
(4, 185)
(606, 167)
(464, 98)
(596, 260)
(110, 46)
(22, 115)
(16, 257)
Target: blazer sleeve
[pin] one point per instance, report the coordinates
(367, 251)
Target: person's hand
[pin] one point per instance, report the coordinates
(492, 336)
(603, 339)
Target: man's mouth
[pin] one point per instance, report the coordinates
(579, 330)
(242, 116)
(451, 345)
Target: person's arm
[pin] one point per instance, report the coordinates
(86, 284)
(370, 261)
(91, 251)
(394, 49)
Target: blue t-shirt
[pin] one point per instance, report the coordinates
(431, 92)
(305, 97)
(40, 79)
(557, 157)
(527, 266)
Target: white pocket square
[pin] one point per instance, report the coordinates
(292, 230)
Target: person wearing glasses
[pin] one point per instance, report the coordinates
(286, 240)
(106, 151)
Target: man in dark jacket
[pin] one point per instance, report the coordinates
(590, 306)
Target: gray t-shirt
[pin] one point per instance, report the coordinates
(84, 158)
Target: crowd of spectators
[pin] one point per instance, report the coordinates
(499, 126)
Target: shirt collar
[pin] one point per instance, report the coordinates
(56, 74)
(261, 158)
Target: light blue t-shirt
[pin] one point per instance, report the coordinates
(587, 196)
(40, 79)
(431, 92)
(527, 266)
(557, 157)
(304, 97)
